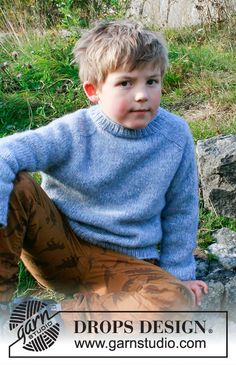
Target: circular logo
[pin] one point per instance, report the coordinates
(34, 325)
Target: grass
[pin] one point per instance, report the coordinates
(38, 83)
(209, 223)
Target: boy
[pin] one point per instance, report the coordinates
(118, 178)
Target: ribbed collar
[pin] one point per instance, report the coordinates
(102, 121)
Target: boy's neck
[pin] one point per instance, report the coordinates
(117, 129)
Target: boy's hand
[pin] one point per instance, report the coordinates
(198, 287)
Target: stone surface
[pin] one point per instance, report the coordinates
(214, 300)
(179, 13)
(225, 247)
(212, 270)
(229, 302)
(222, 287)
(216, 159)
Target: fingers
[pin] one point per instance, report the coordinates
(198, 288)
(198, 294)
(203, 285)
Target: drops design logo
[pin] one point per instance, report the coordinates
(33, 324)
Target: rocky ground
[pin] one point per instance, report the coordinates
(220, 277)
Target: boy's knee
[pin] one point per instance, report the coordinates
(168, 295)
(24, 188)
(180, 297)
(22, 177)
(23, 181)
(185, 297)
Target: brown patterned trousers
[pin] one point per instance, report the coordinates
(98, 278)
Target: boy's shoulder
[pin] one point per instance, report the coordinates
(173, 127)
(78, 122)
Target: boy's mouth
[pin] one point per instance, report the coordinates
(140, 110)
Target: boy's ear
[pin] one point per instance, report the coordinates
(91, 91)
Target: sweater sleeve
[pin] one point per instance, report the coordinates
(34, 150)
(180, 218)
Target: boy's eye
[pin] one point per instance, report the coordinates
(124, 83)
(152, 82)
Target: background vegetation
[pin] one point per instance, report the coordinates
(38, 81)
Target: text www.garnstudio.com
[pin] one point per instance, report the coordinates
(146, 343)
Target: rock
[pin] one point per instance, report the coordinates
(216, 159)
(220, 274)
(214, 299)
(212, 270)
(202, 269)
(179, 13)
(225, 247)
(222, 287)
(229, 302)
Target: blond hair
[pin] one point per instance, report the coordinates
(118, 44)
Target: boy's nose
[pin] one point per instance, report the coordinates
(141, 95)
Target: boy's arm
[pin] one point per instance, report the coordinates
(31, 151)
(180, 223)
(180, 218)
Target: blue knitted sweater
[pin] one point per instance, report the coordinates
(120, 188)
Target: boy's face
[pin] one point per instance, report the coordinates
(131, 98)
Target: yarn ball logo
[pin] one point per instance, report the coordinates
(32, 322)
